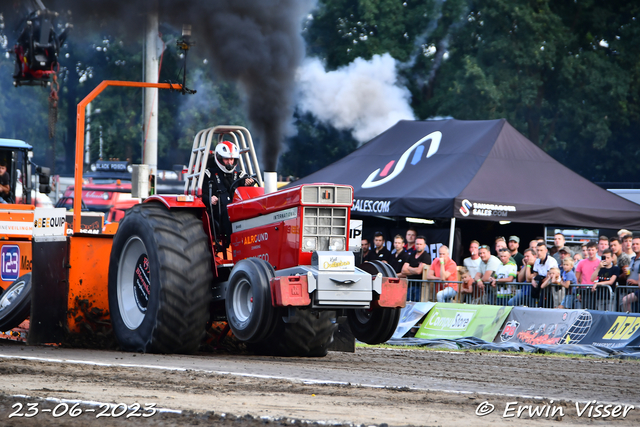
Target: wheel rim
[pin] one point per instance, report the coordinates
(363, 315)
(243, 300)
(10, 296)
(133, 283)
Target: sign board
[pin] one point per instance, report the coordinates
(49, 222)
(613, 330)
(446, 320)
(410, 315)
(355, 235)
(10, 262)
(537, 326)
(333, 261)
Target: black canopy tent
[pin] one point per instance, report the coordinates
(483, 170)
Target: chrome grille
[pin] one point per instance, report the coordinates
(323, 223)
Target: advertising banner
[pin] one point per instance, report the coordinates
(410, 315)
(614, 330)
(49, 222)
(463, 320)
(536, 326)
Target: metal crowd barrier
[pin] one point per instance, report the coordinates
(628, 298)
(523, 294)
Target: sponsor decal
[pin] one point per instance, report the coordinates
(10, 262)
(460, 321)
(449, 320)
(509, 330)
(96, 195)
(25, 263)
(20, 228)
(579, 328)
(485, 209)
(355, 235)
(386, 174)
(49, 222)
(327, 262)
(465, 209)
(376, 206)
(623, 328)
(256, 238)
(260, 221)
(106, 166)
(142, 283)
(292, 229)
(337, 264)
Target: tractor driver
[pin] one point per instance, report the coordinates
(5, 187)
(220, 174)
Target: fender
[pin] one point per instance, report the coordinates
(177, 201)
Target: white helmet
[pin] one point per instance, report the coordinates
(226, 150)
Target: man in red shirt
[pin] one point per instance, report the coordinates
(444, 268)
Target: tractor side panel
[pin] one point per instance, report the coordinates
(277, 243)
(88, 281)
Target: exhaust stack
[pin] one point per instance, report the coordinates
(270, 182)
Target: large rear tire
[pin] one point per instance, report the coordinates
(376, 325)
(250, 312)
(15, 303)
(160, 280)
(309, 336)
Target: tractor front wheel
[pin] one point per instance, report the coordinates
(15, 303)
(159, 280)
(250, 313)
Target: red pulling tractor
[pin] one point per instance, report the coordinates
(282, 286)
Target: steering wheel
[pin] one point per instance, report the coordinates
(237, 182)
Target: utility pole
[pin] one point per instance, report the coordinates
(150, 117)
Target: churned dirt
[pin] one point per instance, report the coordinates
(370, 387)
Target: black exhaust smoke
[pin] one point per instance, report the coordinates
(254, 42)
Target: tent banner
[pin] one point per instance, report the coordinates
(410, 315)
(536, 326)
(613, 330)
(452, 321)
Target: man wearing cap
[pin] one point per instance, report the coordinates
(514, 245)
(558, 242)
(564, 253)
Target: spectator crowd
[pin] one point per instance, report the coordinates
(584, 276)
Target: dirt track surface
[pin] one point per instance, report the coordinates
(372, 386)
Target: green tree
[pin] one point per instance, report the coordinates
(563, 73)
(343, 30)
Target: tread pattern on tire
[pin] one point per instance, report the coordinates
(383, 321)
(310, 336)
(185, 278)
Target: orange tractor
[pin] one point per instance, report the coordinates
(283, 284)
